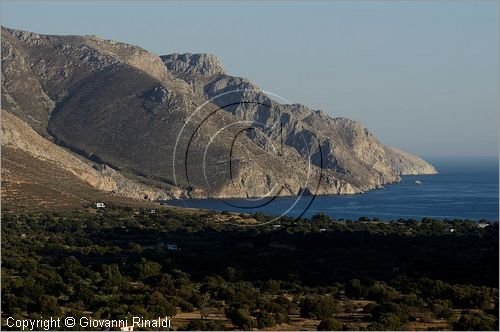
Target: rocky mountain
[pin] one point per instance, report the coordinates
(127, 122)
(350, 149)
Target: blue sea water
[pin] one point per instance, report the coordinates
(464, 188)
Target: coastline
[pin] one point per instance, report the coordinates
(463, 190)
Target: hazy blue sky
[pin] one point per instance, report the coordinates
(421, 75)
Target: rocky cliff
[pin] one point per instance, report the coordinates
(350, 149)
(178, 123)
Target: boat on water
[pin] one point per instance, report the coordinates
(417, 182)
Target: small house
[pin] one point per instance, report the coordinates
(124, 327)
(100, 205)
(172, 247)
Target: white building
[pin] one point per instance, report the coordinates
(172, 247)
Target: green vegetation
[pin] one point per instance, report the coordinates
(330, 324)
(332, 275)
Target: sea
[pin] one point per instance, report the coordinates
(465, 188)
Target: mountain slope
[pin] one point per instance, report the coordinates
(51, 173)
(151, 120)
(408, 164)
(350, 149)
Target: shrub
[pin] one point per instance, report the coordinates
(319, 307)
(204, 325)
(330, 324)
(49, 306)
(240, 318)
(442, 309)
(158, 306)
(473, 321)
(321, 217)
(186, 306)
(354, 289)
(265, 319)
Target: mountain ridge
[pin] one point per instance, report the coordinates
(122, 106)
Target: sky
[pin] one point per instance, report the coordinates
(421, 75)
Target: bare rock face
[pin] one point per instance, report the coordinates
(21, 88)
(408, 164)
(114, 104)
(193, 64)
(350, 151)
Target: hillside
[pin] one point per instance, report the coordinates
(160, 123)
(349, 148)
(38, 173)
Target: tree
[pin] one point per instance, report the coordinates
(232, 274)
(279, 307)
(378, 291)
(12, 304)
(48, 306)
(390, 321)
(330, 324)
(240, 318)
(158, 306)
(473, 321)
(84, 293)
(147, 269)
(166, 284)
(259, 216)
(271, 286)
(112, 276)
(321, 217)
(354, 289)
(389, 316)
(200, 325)
(195, 325)
(319, 307)
(413, 300)
(265, 319)
(442, 309)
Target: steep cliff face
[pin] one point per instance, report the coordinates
(350, 149)
(113, 104)
(188, 64)
(163, 122)
(21, 88)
